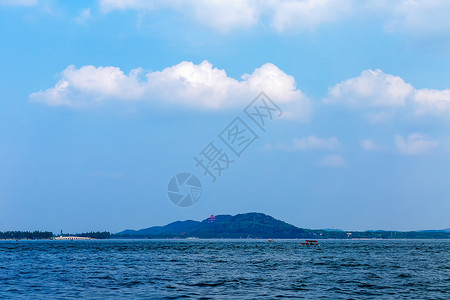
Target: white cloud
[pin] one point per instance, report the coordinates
(226, 15)
(332, 161)
(220, 15)
(430, 101)
(418, 17)
(308, 14)
(414, 17)
(84, 17)
(185, 84)
(78, 87)
(110, 5)
(18, 2)
(381, 95)
(414, 144)
(369, 145)
(371, 88)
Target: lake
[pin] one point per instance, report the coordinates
(225, 269)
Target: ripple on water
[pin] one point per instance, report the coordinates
(224, 269)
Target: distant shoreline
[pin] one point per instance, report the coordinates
(228, 239)
(245, 226)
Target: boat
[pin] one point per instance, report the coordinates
(270, 240)
(310, 243)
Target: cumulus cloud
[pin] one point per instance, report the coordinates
(431, 101)
(371, 88)
(78, 87)
(415, 144)
(332, 161)
(381, 95)
(185, 84)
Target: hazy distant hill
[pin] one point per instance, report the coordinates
(258, 225)
(172, 228)
(447, 230)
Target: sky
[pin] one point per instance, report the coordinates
(103, 102)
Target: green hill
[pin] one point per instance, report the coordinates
(253, 225)
(258, 225)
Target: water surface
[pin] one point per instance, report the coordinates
(225, 269)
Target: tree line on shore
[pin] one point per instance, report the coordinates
(39, 235)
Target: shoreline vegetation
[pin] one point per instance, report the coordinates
(47, 235)
(241, 226)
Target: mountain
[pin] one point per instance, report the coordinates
(249, 225)
(172, 228)
(258, 225)
(224, 226)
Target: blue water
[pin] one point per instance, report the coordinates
(224, 269)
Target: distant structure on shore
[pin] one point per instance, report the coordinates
(47, 235)
(71, 238)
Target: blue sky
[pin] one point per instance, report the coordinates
(103, 102)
